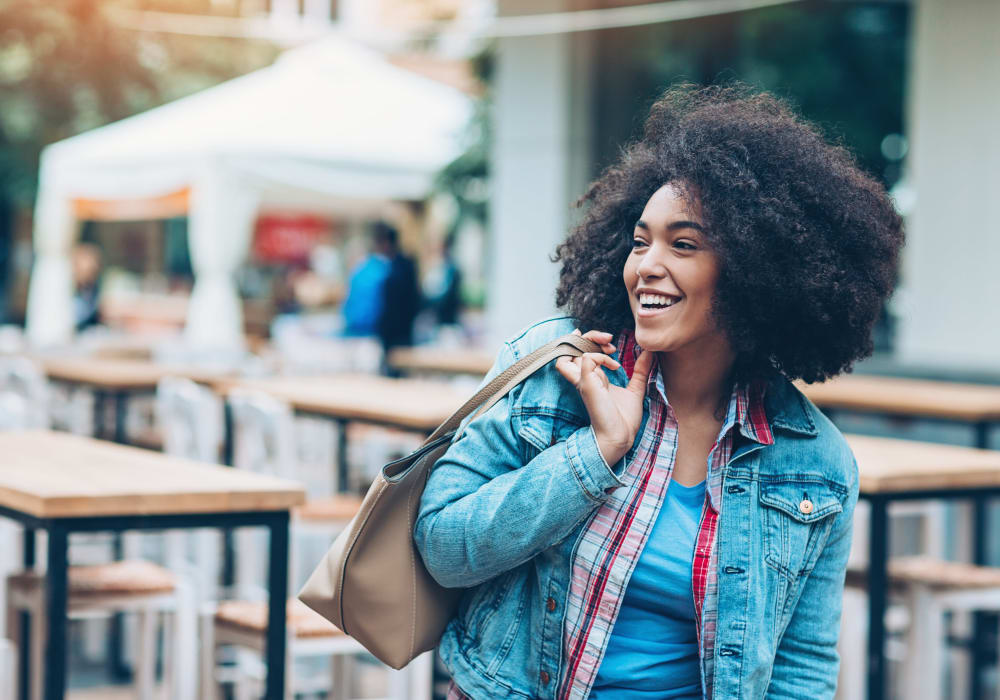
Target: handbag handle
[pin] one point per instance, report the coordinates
(571, 344)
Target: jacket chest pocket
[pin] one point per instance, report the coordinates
(797, 517)
(543, 428)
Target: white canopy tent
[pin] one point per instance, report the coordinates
(326, 122)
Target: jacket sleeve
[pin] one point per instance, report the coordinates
(484, 512)
(806, 662)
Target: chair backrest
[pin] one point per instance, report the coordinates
(190, 416)
(24, 379)
(263, 434)
(14, 412)
(302, 353)
(11, 339)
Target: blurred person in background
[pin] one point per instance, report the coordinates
(383, 295)
(670, 517)
(443, 286)
(86, 262)
(365, 290)
(400, 291)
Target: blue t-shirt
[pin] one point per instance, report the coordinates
(363, 305)
(653, 648)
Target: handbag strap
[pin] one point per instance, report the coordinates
(484, 399)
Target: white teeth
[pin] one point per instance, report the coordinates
(657, 299)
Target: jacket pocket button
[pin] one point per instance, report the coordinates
(550, 604)
(806, 506)
(544, 677)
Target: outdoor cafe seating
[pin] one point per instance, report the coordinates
(211, 595)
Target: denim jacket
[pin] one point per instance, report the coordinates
(504, 507)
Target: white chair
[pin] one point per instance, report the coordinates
(928, 588)
(925, 520)
(934, 588)
(190, 418)
(244, 624)
(8, 669)
(24, 379)
(136, 587)
(264, 442)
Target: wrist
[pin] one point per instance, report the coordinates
(612, 451)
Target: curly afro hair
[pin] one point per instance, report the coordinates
(807, 243)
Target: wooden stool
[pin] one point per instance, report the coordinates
(244, 624)
(126, 586)
(931, 587)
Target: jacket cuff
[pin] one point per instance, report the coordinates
(597, 478)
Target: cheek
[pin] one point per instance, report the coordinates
(629, 277)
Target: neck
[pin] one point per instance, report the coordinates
(697, 380)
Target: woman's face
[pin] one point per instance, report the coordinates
(670, 276)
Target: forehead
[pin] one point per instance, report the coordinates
(672, 202)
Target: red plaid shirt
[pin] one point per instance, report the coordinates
(609, 547)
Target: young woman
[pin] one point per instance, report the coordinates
(671, 518)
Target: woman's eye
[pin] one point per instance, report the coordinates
(638, 243)
(685, 245)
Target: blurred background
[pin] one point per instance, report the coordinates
(306, 186)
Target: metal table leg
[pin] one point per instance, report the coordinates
(277, 584)
(24, 658)
(99, 402)
(878, 588)
(116, 636)
(55, 610)
(981, 654)
(228, 545)
(121, 415)
(342, 456)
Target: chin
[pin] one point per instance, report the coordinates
(651, 340)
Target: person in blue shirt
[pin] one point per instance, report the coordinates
(365, 295)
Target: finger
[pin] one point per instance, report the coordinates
(569, 369)
(602, 338)
(590, 375)
(587, 364)
(602, 359)
(640, 373)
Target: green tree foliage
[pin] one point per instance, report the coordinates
(64, 68)
(841, 63)
(67, 66)
(465, 178)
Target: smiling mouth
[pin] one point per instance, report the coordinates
(651, 303)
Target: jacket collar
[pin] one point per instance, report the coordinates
(787, 408)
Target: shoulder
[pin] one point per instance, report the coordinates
(537, 334)
(545, 392)
(818, 445)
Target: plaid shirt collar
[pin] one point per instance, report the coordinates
(748, 401)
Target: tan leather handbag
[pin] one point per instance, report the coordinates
(372, 583)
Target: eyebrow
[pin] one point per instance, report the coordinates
(673, 225)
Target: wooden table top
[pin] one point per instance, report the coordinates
(401, 403)
(118, 374)
(448, 361)
(50, 475)
(924, 398)
(887, 465)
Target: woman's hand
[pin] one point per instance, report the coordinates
(615, 412)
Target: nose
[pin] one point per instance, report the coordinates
(653, 264)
